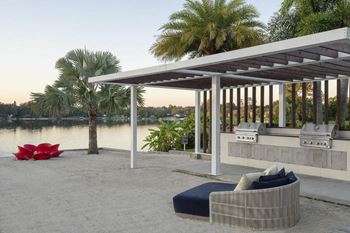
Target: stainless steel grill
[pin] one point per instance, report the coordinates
(249, 132)
(318, 135)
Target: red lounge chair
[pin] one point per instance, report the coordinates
(43, 151)
(21, 156)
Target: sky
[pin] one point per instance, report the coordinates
(35, 33)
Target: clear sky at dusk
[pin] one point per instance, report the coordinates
(35, 33)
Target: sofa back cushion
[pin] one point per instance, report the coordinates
(246, 180)
(280, 174)
(289, 178)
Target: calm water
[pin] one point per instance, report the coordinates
(71, 135)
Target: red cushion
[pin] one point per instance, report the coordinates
(41, 156)
(44, 145)
(25, 152)
(30, 147)
(43, 148)
(21, 156)
(57, 153)
(54, 147)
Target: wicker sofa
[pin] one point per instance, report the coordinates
(263, 209)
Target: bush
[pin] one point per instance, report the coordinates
(168, 136)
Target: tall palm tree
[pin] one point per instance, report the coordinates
(303, 17)
(207, 27)
(72, 89)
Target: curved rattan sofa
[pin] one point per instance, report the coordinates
(263, 209)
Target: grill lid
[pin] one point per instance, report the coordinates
(256, 127)
(311, 129)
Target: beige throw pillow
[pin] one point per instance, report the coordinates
(271, 171)
(247, 179)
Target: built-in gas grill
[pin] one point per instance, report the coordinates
(249, 132)
(318, 135)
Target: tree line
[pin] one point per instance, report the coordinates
(25, 110)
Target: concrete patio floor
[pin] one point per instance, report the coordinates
(100, 193)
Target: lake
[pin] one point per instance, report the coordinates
(70, 134)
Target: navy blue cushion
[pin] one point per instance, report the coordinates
(280, 174)
(292, 177)
(289, 178)
(195, 201)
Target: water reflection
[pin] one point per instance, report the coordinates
(70, 134)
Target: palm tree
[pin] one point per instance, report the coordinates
(72, 89)
(207, 27)
(303, 17)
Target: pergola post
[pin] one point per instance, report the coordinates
(215, 123)
(133, 123)
(282, 115)
(197, 120)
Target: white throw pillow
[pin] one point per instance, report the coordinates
(247, 179)
(271, 170)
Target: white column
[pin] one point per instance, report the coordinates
(197, 120)
(282, 118)
(133, 124)
(215, 126)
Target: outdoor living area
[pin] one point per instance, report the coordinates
(305, 145)
(101, 193)
(310, 144)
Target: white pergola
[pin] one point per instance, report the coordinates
(316, 57)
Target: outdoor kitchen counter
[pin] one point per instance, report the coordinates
(283, 149)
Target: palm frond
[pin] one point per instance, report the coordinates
(206, 27)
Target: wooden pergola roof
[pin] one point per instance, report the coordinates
(318, 56)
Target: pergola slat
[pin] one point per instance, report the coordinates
(303, 104)
(338, 116)
(293, 123)
(238, 106)
(224, 110)
(323, 51)
(262, 105)
(205, 141)
(210, 119)
(246, 104)
(231, 110)
(326, 101)
(254, 104)
(271, 105)
(314, 102)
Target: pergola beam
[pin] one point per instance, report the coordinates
(153, 86)
(306, 61)
(227, 75)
